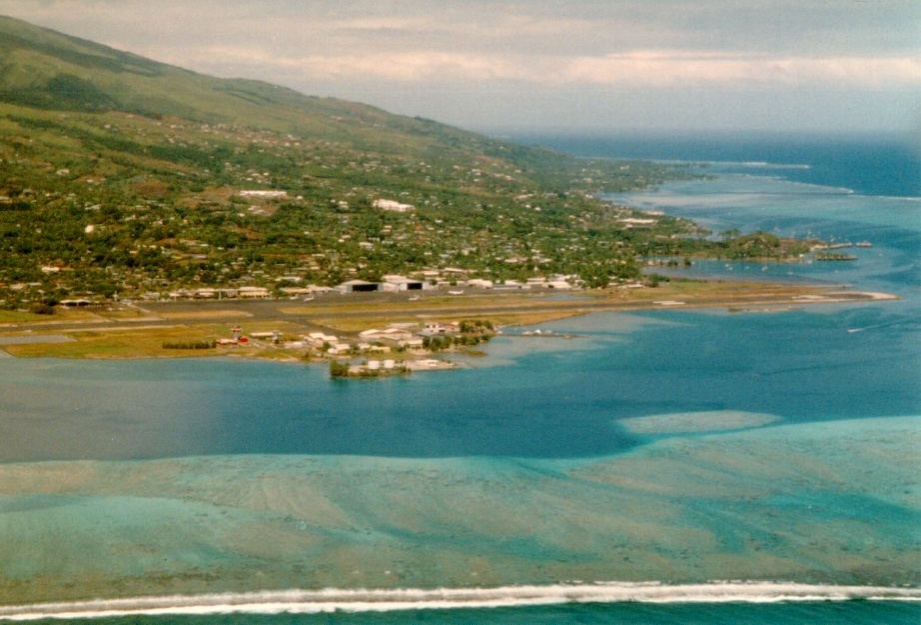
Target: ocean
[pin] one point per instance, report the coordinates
(691, 450)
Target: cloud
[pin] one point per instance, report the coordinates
(489, 56)
(676, 69)
(642, 68)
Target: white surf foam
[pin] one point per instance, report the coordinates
(329, 600)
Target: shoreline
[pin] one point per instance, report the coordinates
(146, 331)
(374, 600)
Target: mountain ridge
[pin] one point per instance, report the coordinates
(47, 66)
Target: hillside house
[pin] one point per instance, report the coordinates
(264, 194)
(393, 206)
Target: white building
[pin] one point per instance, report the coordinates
(357, 286)
(264, 194)
(402, 283)
(393, 206)
(252, 292)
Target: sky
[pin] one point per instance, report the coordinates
(546, 65)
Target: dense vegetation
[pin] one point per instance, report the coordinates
(119, 175)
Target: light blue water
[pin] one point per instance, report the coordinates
(561, 399)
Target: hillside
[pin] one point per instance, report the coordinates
(121, 174)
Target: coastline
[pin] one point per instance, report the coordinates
(149, 330)
(363, 600)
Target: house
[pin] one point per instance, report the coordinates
(511, 285)
(264, 194)
(318, 339)
(291, 279)
(432, 328)
(394, 336)
(294, 291)
(253, 292)
(393, 206)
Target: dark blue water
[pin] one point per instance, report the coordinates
(882, 165)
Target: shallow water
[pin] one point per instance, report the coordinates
(843, 506)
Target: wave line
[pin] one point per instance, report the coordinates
(373, 600)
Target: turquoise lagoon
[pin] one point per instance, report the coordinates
(675, 447)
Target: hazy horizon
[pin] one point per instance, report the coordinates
(550, 66)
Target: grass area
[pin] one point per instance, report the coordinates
(134, 343)
(61, 314)
(18, 316)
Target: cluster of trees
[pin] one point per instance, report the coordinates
(447, 341)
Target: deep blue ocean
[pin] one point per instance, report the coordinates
(565, 400)
(880, 165)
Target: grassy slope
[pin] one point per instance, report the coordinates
(45, 69)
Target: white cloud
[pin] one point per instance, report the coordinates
(428, 56)
(671, 69)
(652, 69)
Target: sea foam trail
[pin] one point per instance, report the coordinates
(329, 600)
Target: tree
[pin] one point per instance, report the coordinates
(338, 369)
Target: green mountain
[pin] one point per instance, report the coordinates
(44, 69)
(118, 173)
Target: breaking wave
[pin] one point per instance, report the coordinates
(330, 600)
